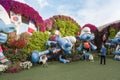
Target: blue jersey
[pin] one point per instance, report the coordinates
(103, 51)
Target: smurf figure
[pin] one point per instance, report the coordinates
(3, 38)
(5, 27)
(115, 42)
(86, 46)
(63, 45)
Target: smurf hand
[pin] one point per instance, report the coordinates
(3, 38)
(9, 29)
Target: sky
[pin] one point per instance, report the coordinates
(96, 12)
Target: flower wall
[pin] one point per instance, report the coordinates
(107, 29)
(66, 25)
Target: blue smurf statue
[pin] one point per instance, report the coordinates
(115, 42)
(61, 45)
(86, 45)
(3, 38)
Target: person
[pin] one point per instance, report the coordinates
(103, 55)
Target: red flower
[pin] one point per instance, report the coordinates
(5, 49)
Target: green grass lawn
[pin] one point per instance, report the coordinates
(80, 70)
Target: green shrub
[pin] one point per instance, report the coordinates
(37, 42)
(67, 28)
(15, 57)
(112, 33)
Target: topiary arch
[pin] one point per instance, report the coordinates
(66, 25)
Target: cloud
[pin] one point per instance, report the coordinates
(96, 12)
(99, 13)
(62, 9)
(43, 3)
(67, 11)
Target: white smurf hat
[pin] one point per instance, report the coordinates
(70, 39)
(85, 30)
(118, 34)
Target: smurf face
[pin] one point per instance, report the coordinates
(86, 35)
(66, 43)
(67, 47)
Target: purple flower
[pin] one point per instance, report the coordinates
(48, 24)
(92, 27)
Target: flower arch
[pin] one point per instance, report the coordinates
(26, 11)
(63, 17)
(66, 25)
